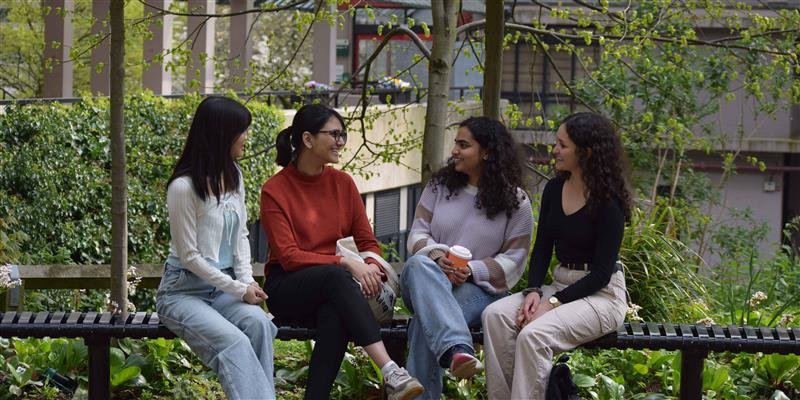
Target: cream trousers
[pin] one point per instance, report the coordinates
(518, 362)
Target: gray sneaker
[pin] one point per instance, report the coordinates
(400, 385)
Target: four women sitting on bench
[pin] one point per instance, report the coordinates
(469, 240)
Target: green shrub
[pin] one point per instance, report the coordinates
(661, 271)
(55, 168)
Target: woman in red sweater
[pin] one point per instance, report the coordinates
(305, 209)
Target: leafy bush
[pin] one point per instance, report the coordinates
(661, 271)
(55, 168)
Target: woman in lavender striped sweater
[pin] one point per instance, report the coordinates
(475, 201)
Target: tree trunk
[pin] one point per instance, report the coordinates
(119, 193)
(445, 13)
(495, 26)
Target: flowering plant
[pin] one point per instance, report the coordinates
(315, 86)
(393, 83)
(5, 278)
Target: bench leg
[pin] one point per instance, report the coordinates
(692, 362)
(99, 368)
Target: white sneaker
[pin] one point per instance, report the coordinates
(465, 365)
(400, 385)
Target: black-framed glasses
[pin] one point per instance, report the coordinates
(336, 134)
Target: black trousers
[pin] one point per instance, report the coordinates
(326, 298)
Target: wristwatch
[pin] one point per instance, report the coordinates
(554, 301)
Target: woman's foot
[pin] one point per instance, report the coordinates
(400, 385)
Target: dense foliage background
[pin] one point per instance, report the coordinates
(55, 174)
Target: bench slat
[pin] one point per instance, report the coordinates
(138, 318)
(89, 317)
(636, 328)
(686, 331)
(9, 317)
(669, 330)
(735, 332)
(653, 329)
(750, 333)
(153, 319)
(41, 317)
(702, 331)
(25, 317)
(766, 333)
(105, 318)
(72, 318)
(57, 317)
(718, 332)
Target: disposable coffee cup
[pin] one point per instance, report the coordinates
(459, 255)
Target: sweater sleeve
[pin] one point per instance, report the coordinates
(543, 246)
(501, 272)
(608, 239)
(419, 236)
(183, 230)
(277, 224)
(242, 267)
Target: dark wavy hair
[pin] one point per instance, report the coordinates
(501, 174)
(206, 157)
(605, 167)
(309, 118)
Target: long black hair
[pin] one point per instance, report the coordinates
(501, 174)
(605, 167)
(206, 158)
(309, 118)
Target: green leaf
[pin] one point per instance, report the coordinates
(583, 381)
(124, 375)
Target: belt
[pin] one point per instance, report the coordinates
(587, 267)
(576, 266)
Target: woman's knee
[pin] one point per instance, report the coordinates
(419, 265)
(334, 273)
(535, 339)
(256, 322)
(492, 312)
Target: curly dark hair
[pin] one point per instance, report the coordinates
(501, 174)
(605, 167)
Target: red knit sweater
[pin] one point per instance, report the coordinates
(304, 216)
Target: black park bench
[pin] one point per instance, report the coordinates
(693, 341)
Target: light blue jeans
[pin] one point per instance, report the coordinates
(231, 337)
(443, 314)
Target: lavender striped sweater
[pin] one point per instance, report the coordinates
(499, 245)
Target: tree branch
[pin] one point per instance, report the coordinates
(162, 11)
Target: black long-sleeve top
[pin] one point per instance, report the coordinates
(577, 238)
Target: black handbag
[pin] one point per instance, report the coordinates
(560, 385)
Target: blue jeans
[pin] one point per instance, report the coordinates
(443, 314)
(231, 337)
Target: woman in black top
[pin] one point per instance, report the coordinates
(582, 216)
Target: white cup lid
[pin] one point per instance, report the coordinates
(461, 252)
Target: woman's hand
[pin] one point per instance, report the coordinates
(544, 306)
(526, 311)
(369, 275)
(254, 294)
(459, 275)
(445, 265)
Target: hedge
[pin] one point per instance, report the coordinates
(55, 173)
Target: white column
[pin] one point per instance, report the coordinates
(155, 77)
(324, 60)
(57, 43)
(200, 70)
(241, 46)
(99, 81)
